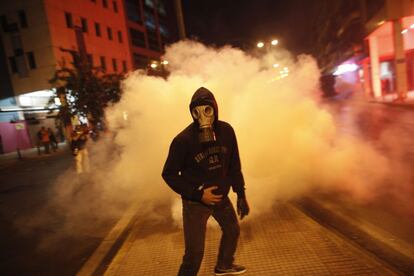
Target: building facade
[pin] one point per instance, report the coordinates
(388, 70)
(38, 36)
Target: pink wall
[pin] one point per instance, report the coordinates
(13, 138)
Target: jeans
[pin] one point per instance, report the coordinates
(82, 161)
(195, 216)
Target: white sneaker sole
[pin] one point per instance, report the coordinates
(230, 273)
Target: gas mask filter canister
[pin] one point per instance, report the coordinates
(204, 114)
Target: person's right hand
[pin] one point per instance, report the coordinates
(209, 198)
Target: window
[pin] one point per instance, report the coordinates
(13, 64)
(140, 61)
(90, 59)
(109, 30)
(22, 18)
(103, 62)
(124, 66)
(76, 59)
(120, 36)
(84, 24)
(149, 3)
(31, 60)
(97, 29)
(161, 8)
(149, 18)
(137, 38)
(115, 5)
(105, 3)
(133, 10)
(153, 40)
(69, 20)
(114, 65)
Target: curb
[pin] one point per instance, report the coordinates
(382, 244)
(97, 263)
(409, 106)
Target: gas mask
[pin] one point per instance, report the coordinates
(204, 114)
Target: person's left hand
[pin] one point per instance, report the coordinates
(242, 207)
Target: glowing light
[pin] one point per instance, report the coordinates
(274, 42)
(125, 115)
(260, 45)
(154, 65)
(412, 26)
(404, 31)
(275, 65)
(57, 101)
(381, 22)
(165, 62)
(285, 69)
(344, 68)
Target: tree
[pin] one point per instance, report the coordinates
(85, 91)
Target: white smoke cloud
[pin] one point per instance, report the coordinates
(288, 143)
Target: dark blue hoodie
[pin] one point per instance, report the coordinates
(192, 166)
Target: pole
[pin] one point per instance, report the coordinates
(180, 19)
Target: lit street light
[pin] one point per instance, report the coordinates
(260, 44)
(267, 45)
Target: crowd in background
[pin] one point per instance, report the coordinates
(47, 138)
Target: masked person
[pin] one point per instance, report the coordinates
(202, 164)
(79, 138)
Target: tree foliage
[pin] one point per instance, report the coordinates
(85, 91)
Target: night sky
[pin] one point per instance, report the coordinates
(243, 22)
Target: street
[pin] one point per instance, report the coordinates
(48, 233)
(43, 230)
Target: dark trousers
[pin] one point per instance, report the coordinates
(195, 216)
(46, 145)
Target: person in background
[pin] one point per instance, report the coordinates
(203, 163)
(79, 138)
(52, 138)
(39, 141)
(44, 138)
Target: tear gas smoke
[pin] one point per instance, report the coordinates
(288, 143)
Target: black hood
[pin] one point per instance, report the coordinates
(203, 96)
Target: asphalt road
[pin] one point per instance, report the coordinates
(390, 130)
(43, 230)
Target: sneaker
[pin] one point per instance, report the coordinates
(233, 270)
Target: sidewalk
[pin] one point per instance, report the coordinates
(282, 242)
(408, 104)
(12, 158)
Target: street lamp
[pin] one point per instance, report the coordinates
(267, 45)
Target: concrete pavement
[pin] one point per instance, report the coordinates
(10, 159)
(282, 242)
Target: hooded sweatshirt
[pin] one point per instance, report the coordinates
(192, 166)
